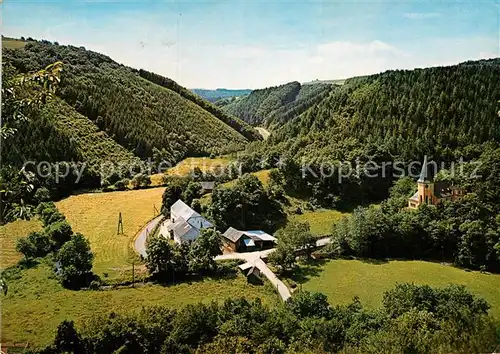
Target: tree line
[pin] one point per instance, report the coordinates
(465, 231)
(411, 319)
(71, 251)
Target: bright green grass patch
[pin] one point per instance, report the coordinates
(9, 234)
(341, 280)
(206, 200)
(263, 176)
(321, 221)
(95, 215)
(205, 164)
(36, 303)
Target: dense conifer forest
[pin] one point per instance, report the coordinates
(276, 105)
(446, 113)
(136, 113)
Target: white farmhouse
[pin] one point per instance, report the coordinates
(185, 223)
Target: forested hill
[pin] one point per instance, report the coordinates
(137, 113)
(276, 105)
(236, 123)
(446, 113)
(440, 111)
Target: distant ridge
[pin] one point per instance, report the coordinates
(220, 93)
(276, 105)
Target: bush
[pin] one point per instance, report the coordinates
(67, 339)
(122, 184)
(42, 195)
(57, 216)
(196, 205)
(95, 285)
(45, 211)
(141, 180)
(75, 261)
(105, 183)
(36, 244)
(60, 232)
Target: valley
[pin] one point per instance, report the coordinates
(326, 188)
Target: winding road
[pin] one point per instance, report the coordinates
(140, 240)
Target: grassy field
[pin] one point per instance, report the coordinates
(12, 43)
(95, 215)
(341, 280)
(321, 220)
(36, 303)
(185, 167)
(9, 234)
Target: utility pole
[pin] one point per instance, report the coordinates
(120, 224)
(133, 274)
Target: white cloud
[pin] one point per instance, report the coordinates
(421, 15)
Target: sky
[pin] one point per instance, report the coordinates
(255, 44)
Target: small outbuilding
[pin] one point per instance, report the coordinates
(207, 186)
(247, 241)
(253, 276)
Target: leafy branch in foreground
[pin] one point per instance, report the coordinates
(22, 92)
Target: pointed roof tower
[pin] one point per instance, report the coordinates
(428, 172)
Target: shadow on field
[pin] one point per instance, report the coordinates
(373, 261)
(306, 270)
(225, 272)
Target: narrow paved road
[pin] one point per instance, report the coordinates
(140, 241)
(255, 258)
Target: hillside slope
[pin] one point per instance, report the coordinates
(240, 126)
(408, 113)
(447, 113)
(58, 133)
(138, 114)
(276, 105)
